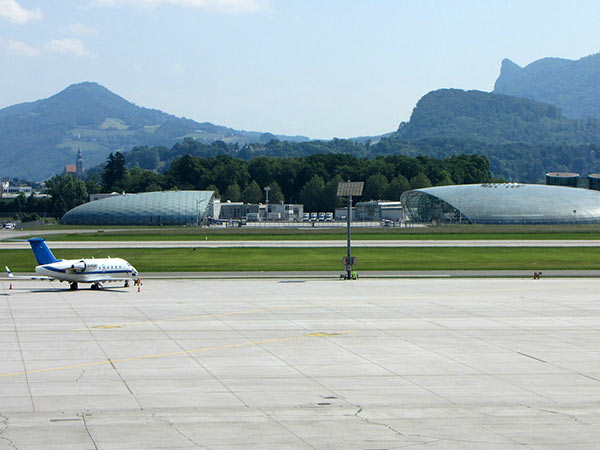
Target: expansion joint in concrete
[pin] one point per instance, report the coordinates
(3, 429)
(178, 431)
(87, 429)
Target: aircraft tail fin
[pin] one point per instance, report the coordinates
(41, 251)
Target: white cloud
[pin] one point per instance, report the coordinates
(220, 6)
(79, 29)
(67, 46)
(12, 11)
(21, 48)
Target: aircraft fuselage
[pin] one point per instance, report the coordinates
(88, 270)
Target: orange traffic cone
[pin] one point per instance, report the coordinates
(138, 288)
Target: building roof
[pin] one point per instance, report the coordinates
(507, 203)
(148, 208)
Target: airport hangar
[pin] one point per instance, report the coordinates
(148, 208)
(502, 203)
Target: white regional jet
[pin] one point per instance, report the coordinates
(74, 271)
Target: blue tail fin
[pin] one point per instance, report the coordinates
(41, 251)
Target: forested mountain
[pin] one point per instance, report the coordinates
(570, 85)
(494, 119)
(37, 139)
(521, 138)
(527, 163)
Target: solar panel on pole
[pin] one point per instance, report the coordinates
(349, 189)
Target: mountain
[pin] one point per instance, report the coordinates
(494, 119)
(38, 139)
(570, 85)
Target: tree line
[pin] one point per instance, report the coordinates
(310, 180)
(517, 161)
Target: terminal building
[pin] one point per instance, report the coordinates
(8, 190)
(502, 203)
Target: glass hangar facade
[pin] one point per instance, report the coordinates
(148, 208)
(502, 203)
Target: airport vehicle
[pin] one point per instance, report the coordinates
(329, 217)
(313, 216)
(305, 217)
(75, 271)
(321, 217)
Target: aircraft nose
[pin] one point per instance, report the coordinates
(134, 272)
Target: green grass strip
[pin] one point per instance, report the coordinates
(318, 259)
(445, 232)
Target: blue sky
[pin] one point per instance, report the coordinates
(322, 69)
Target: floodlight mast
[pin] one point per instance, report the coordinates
(349, 189)
(267, 189)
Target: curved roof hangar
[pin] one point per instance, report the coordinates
(504, 203)
(148, 208)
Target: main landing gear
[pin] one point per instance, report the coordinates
(73, 285)
(96, 286)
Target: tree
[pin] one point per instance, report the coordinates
(188, 172)
(275, 194)
(445, 180)
(66, 193)
(420, 181)
(396, 187)
(375, 187)
(310, 195)
(329, 198)
(139, 180)
(215, 189)
(252, 193)
(154, 187)
(92, 184)
(232, 193)
(113, 176)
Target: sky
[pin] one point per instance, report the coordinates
(317, 68)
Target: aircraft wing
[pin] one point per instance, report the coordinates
(106, 280)
(25, 277)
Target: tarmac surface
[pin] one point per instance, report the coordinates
(302, 364)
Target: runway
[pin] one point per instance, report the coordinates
(305, 244)
(302, 364)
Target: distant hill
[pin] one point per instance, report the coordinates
(494, 119)
(571, 85)
(37, 139)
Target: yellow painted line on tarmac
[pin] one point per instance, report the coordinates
(180, 319)
(182, 352)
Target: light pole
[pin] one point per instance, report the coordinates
(267, 189)
(349, 189)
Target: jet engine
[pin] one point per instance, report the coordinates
(79, 267)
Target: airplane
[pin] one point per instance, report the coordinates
(75, 271)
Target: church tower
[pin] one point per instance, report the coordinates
(79, 165)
